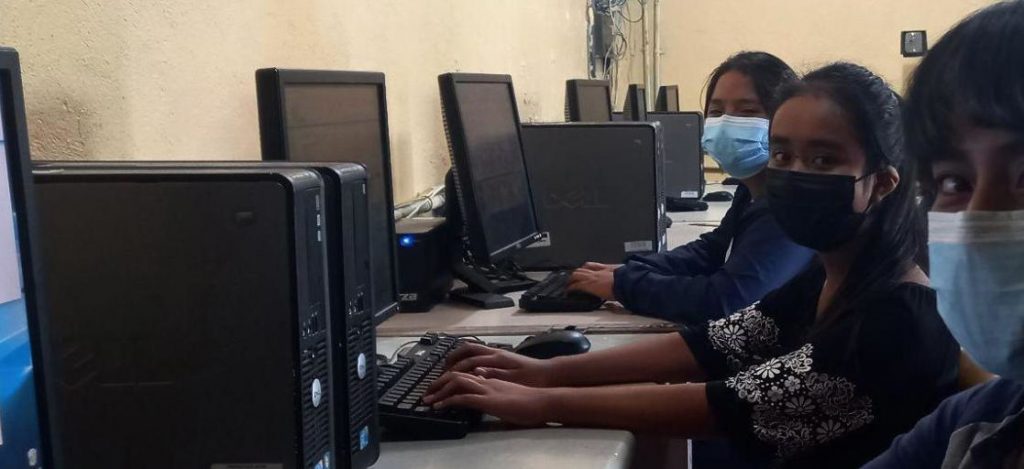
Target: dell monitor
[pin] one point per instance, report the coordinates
(24, 434)
(588, 101)
(488, 172)
(334, 116)
(635, 108)
(668, 99)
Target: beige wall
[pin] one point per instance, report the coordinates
(173, 79)
(698, 35)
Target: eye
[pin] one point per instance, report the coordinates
(752, 112)
(714, 112)
(822, 161)
(951, 185)
(780, 157)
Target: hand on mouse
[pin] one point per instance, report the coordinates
(599, 283)
(597, 267)
(513, 403)
(494, 363)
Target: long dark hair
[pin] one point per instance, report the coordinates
(768, 73)
(974, 75)
(893, 229)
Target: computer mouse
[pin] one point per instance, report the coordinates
(719, 196)
(554, 343)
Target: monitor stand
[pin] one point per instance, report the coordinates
(485, 285)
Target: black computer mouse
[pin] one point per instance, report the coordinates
(719, 196)
(554, 343)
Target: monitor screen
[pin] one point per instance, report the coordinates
(336, 122)
(496, 166)
(19, 422)
(594, 103)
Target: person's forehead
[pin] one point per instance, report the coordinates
(734, 86)
(810, 114)
(979, 144)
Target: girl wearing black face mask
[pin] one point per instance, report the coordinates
(824, 371)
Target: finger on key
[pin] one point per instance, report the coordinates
(493, 360)
(457, 383)
(466, 350)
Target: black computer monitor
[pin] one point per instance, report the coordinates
(668, 99)
(335, 116)
(635, 108)
(482, 120)
(24, 430)
(588, 101)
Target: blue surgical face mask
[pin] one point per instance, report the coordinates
(738, 144)
(977, 269)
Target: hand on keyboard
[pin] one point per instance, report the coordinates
(402, 385)
(552, 295)
(494, 363)
(597, 266)
(596, 280)
(513, 403)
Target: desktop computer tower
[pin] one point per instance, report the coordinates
(684, 157)
(424, 263)
(346, 235)
(193, 321)
(597, 189)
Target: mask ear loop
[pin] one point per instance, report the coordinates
(871, 201)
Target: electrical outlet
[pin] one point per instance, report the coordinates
(913, 43)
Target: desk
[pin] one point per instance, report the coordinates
(455, 318)
(460, 319)
(497, 447)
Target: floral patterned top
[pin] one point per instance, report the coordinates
(828, 397)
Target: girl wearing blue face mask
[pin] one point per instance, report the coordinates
(822, 372)
(748, 255)
(965, 123)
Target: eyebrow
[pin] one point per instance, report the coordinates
(827, 144)
(753, 101)
(815, 143)
(1014, 146)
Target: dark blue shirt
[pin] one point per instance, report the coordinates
(725, 270)
(980, 427)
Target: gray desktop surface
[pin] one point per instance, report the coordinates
(611, 319)
(500, 447)
(496, 446)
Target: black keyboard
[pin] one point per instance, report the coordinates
(550, 296)
(402, 385)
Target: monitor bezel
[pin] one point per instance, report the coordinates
(573, 90)
(661, 103)
(635, 107)
(458, 151)
(270, 83)
(20, 173)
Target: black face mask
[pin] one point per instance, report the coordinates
(814, 210)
